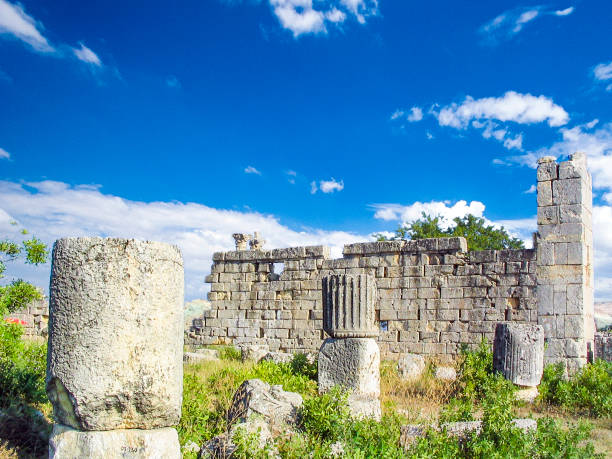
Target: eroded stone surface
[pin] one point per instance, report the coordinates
(353, 363)
(446, 373)
(68, 443)
(256, 398)
(518, 353)
(116, 334)
(410, 366)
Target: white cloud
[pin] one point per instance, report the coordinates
(251, 170)
(429, 135)
(313, 187)
(16, 22)
(603, 72)
(532, 189)
(515, 142)
(413, 115)
(510, 23)
(512, 106)
(306, 16)
(292, 175)
(565, 12)
(4, 154)
(329, 186)
(87, 55)
(51, 210)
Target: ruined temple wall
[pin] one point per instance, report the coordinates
(433, 296)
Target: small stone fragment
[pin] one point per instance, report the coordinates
(446, 373)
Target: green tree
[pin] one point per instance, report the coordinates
(478, 234)
(18, 293)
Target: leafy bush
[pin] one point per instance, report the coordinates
(476, 371)
(22, 368)
(325, 416)
(229, 353)
(456, 410)
(301, 365)
(589, 391)
(283, 374)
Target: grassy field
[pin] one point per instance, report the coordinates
(209, 387)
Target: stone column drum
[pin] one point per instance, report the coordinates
(518, 353)
(114, 363)
(351, 357)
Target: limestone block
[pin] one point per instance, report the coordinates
(527, 395)
(68, 443)
(351, 362)
(115, 357)
(547, 168)
(518, 352)
(254, 352)
(348, 305)
(446, 373)
(279, 357)
(256, 398)
(410, 366)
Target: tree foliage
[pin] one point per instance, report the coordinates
(478, 234)
(19, 293)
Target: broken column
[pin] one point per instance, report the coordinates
(518, 354)
(565, 259)
(114, 364)
(351, 357)
(241, 240)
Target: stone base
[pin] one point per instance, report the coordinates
(68, 443)
(353, 363)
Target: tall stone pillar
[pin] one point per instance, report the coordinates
(565, 259)
(114, 363)
(351, 357)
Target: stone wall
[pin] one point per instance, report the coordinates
(603, 346)
(34, 318)
(432, 296)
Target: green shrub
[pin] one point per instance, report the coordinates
(456, 410)
(589, 391)
(22, 368)
(476, 371)
(301, 365)
(325, 416)
(283, 374)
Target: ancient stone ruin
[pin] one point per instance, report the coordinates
(115, 363)
(350, 357)
(432, 295)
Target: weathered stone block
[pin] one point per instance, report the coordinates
(351, 362)
(116, 334)
(348, 305)
(68, 443)
(518, 352)
(410, 366)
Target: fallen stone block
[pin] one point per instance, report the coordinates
(410, 366)
(257, 398)
(446, 373)
(253, 352)
(278, 357)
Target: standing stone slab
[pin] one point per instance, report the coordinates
(115, 334)
(348, 306)
(68, 443)
(518, 352)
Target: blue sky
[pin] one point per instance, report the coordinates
(310, 121)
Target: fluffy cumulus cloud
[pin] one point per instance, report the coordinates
(51, 210)
(510, 23)
(305, 16)
(413, 115)
(488, 115)
(4, 154)
(512, 106)
(327, 186)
